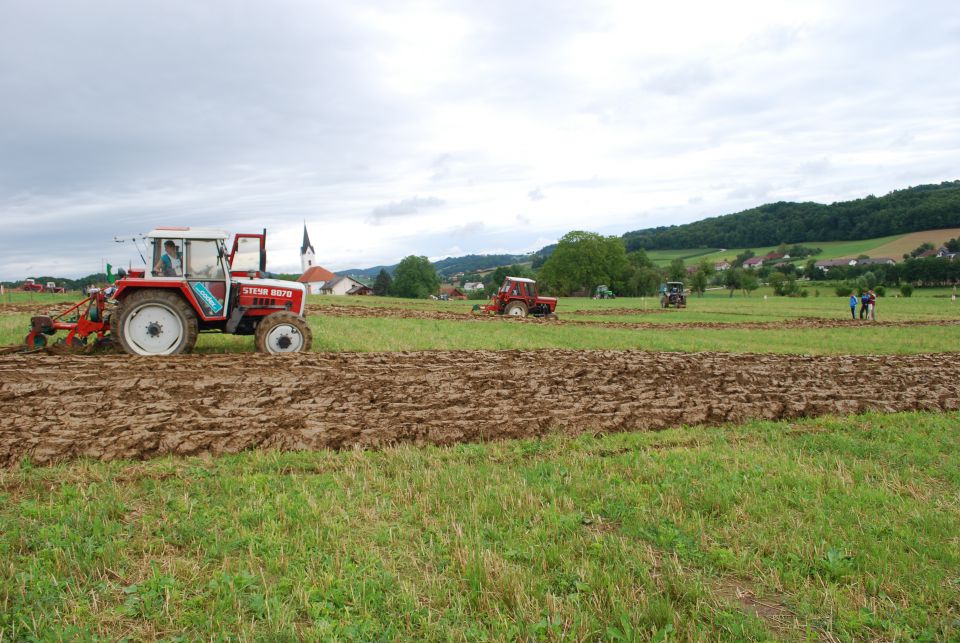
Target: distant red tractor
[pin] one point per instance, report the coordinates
(192, 285)
(30, 285)
(518, 297)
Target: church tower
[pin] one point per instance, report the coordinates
(308, 257)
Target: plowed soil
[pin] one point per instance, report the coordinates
(58, 408)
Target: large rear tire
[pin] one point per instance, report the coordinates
(155, 322)
(516, 309)
(283, 332)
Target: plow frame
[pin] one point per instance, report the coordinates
(89, 321)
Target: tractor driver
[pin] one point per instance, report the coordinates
(169, 264)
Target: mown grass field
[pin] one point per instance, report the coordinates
(836, 528)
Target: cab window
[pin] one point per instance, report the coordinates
(203, 260)
(167, 258)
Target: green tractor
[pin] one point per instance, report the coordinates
(603, 292)
(673, 294)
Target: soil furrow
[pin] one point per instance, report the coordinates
(58, 408)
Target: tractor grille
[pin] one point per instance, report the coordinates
(264, 301)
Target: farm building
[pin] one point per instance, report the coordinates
(315, 278)
(472, 285)
(753, 263)
(721, 266)
(360, 290)
(879, 261)
(452, 292)
(339, 285)
(826, 264)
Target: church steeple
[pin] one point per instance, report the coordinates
(307, 253)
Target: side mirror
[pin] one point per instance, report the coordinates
(121, 273)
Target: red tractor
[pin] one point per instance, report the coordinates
(518, 297)
(192, 285)
(30, 285)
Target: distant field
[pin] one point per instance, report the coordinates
(894, 246)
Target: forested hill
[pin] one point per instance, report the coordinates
(924, 207)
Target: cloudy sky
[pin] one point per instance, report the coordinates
(446, 128)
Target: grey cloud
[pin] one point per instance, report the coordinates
(536, 195)
(681, 80)
(405, 207)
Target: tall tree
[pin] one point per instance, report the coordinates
(382, 284)
(584, 260)
(415, 277)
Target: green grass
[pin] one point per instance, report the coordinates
(847, 527)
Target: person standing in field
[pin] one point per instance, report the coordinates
(872, 306)
(853, 306)
(864, 304)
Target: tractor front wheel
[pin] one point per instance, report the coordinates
(516, 309)
(283, 332)
(155, 322)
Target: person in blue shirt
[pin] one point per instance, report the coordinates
(169, 264)
(864, 304)
(853, 306)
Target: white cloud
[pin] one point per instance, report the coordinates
(118, 118)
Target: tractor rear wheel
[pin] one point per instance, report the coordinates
(155, 322)
(283, 332)
(516, 309)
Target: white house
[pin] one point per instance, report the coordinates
(473, 285)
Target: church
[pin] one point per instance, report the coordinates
(319, 280)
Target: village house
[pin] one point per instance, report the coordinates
(720, 266)
(753, 263)
(470, 286)
(943, 253)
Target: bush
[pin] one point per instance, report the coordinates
(843, 291)
(880, 291)
(906, 290)
(805, 293)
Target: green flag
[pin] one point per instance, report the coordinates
(110, 278)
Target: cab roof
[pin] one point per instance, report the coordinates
(522, 280)
(183, 232)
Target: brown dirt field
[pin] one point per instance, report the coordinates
(59, 408)
(909, 242)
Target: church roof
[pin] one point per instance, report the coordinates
(316, 274)
(306, 242)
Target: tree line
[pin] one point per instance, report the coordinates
(924, 207)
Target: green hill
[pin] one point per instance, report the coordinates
(924, 207)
